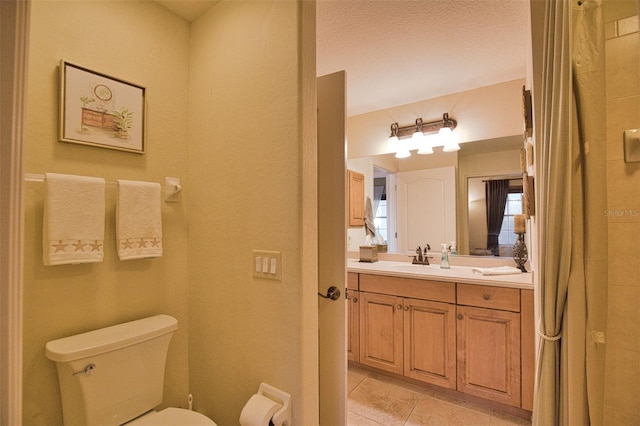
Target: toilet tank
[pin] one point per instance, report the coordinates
(114, 374)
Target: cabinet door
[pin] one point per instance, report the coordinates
(353, 326)
(489, 354)
(356, 198)
(381, 331)
(430, 342)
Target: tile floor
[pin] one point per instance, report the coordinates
(374, 399)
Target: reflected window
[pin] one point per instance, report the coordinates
(380, 219)
(512, 208)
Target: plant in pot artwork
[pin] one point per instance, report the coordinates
(123, 120)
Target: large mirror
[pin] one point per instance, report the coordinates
(473, 166)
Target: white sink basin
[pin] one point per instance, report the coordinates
(409, 267)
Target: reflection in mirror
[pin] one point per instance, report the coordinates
(478, 161)
(380, 215)
(492, 203)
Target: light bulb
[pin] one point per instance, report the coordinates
(450, 145)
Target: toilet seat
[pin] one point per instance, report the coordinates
(173, 417)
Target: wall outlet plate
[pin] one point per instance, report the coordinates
(632, 146)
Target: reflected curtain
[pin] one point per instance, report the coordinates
(496, 192)
(570, 174)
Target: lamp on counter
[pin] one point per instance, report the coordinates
(400, 143)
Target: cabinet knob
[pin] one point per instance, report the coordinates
(460, 316)
(399, 307)
(406, 308)
(486, 296)
(355, 300)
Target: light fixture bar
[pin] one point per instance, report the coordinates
(430, 127)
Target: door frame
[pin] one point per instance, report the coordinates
(14, 31)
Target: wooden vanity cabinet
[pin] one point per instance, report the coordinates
(353, 317)
(489, 342)
(412, 336)
(356, 198)
(476, 339)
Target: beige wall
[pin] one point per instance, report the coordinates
(622, 381)
(143, 43)
(235, 137)
(245, 179)
(485, 113)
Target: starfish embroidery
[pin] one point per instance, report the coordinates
(156, 242)
(142, 244)
(95, 246)
(59, 246)
(126, 244)
(79, 246)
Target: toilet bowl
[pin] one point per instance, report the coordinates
(171, 417)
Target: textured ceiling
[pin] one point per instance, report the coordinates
(397, 52)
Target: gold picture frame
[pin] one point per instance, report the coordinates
(101, 111)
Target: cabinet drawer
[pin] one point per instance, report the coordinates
(438, 291)
(506, 299)
(352, 281)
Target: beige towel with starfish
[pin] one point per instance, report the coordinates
(73, 220)
(138, 220)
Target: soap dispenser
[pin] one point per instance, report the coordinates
(452, 248)
(444, 262)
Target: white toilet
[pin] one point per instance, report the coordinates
(115, 375)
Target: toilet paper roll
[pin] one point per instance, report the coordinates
(258, 411)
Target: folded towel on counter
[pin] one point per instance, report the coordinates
(138, 220)
(498, 270)
(73, 220)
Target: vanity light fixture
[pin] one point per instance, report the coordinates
(399, 142)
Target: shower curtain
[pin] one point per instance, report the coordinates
(572, 179)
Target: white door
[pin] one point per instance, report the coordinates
(332, 225)
(426, 208)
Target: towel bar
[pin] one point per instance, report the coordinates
(172, 191)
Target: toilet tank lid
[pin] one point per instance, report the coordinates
(109, 339)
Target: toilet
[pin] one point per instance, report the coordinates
(115, 375)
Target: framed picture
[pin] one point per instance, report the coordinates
(101, 111)
(527, 112)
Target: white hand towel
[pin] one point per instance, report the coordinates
(138, 220)
(498, 270)
(73, 222)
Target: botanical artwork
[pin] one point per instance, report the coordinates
(101, 111)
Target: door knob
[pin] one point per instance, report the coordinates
(333, 293)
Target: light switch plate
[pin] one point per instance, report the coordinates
(267, 265)
(632, 146)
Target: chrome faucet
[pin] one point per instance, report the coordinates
(421, 257)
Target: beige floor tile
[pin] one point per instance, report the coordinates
(502, 419)
(432, 411)
(354, 419)
(355, 376)
(460, 402)
(383, 401)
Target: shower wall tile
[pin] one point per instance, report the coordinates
(622, 61)
(622, 381)
(617, 417)
(624, 257)
(622, 114)
(623, 192)
(622, 370)
(624, 318)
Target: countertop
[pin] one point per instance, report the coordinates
(458, 274)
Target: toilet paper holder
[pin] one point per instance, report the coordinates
(283, 415)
